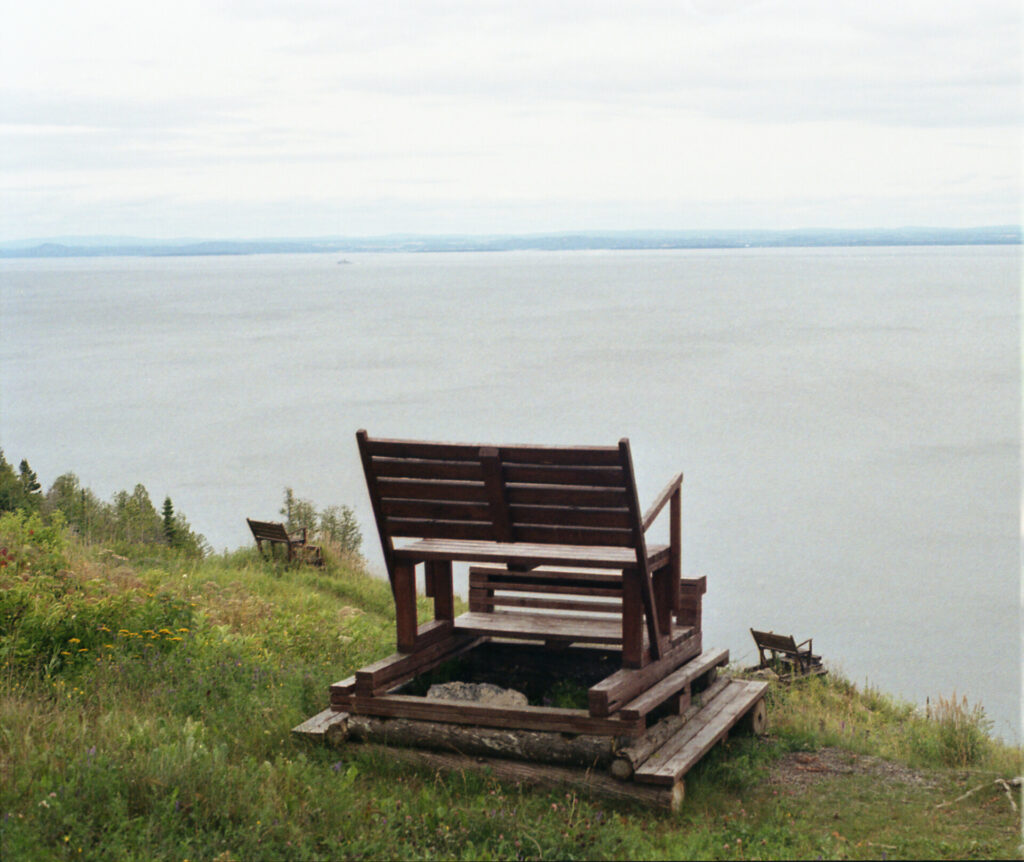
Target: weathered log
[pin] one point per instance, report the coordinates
(542, 775)
(544, 746)
(756, 720)
(630, 756)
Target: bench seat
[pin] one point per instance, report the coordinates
(525, 553)
(582, 628)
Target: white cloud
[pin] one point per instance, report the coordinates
(513, 114)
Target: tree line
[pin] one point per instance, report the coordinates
(129, 520)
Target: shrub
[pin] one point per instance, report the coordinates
(28, 546)
(958, 734)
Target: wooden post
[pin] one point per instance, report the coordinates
(404, 586)
(440, 574)
(665, 588)
(632, 620)
(675, 560)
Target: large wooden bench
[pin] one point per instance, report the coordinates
(296, 546)
(773, 648)
(547, 522)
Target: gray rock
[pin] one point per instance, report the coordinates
(483, 693)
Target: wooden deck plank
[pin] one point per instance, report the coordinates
(319, 724)
(591, 628)
(675, 758)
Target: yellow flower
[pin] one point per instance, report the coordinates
(109, 646)
(165, 631)
(84, 649)
(183, 630)
(73, 641)
(105, 629)
(175, 639)
(64, 652)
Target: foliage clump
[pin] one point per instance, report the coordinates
(334, 525)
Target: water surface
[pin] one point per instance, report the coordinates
(847, 419)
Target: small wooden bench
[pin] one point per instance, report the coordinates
(296, 546)
(773, 648)
(574, 606)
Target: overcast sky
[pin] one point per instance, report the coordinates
(240, 118)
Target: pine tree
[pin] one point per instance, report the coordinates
(170, 528)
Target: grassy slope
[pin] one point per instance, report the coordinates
(145, 710)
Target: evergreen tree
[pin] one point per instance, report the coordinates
(29, 480)
(170, 531)
(10, 487)
(18, 490)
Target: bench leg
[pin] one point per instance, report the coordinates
(665, 598)
(404, 588)
(439, 574)
(632, 622)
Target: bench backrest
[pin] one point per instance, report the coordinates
(268, 531)
(491, 589)
(770, 640)
(579, 495)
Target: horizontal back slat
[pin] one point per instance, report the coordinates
(487, 603)
(419, 468)
(441, 491)
(568, 515)
(546, 535)
(540, 581)
(435, 510)
(569, 456)
(560, 495)
(424, 529)
(593, 456)
(607, 477)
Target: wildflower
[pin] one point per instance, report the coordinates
(105, 629)
(165, 631)
(108, 646)
(183, 630)
(64, 652)
(73, 641)
(84, 649)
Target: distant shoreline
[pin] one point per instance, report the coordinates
(66, 247)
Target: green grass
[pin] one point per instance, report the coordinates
(146, 708)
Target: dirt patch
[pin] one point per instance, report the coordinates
(800, 768)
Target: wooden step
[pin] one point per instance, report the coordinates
(673, 683)
(678, 755)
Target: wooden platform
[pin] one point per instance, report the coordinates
(648, 766)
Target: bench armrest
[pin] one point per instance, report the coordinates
(807, 643)
(671, 488)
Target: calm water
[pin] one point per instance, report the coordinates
(848, 420)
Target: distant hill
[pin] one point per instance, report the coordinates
(565, 241)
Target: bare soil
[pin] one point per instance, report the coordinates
(800, 769)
